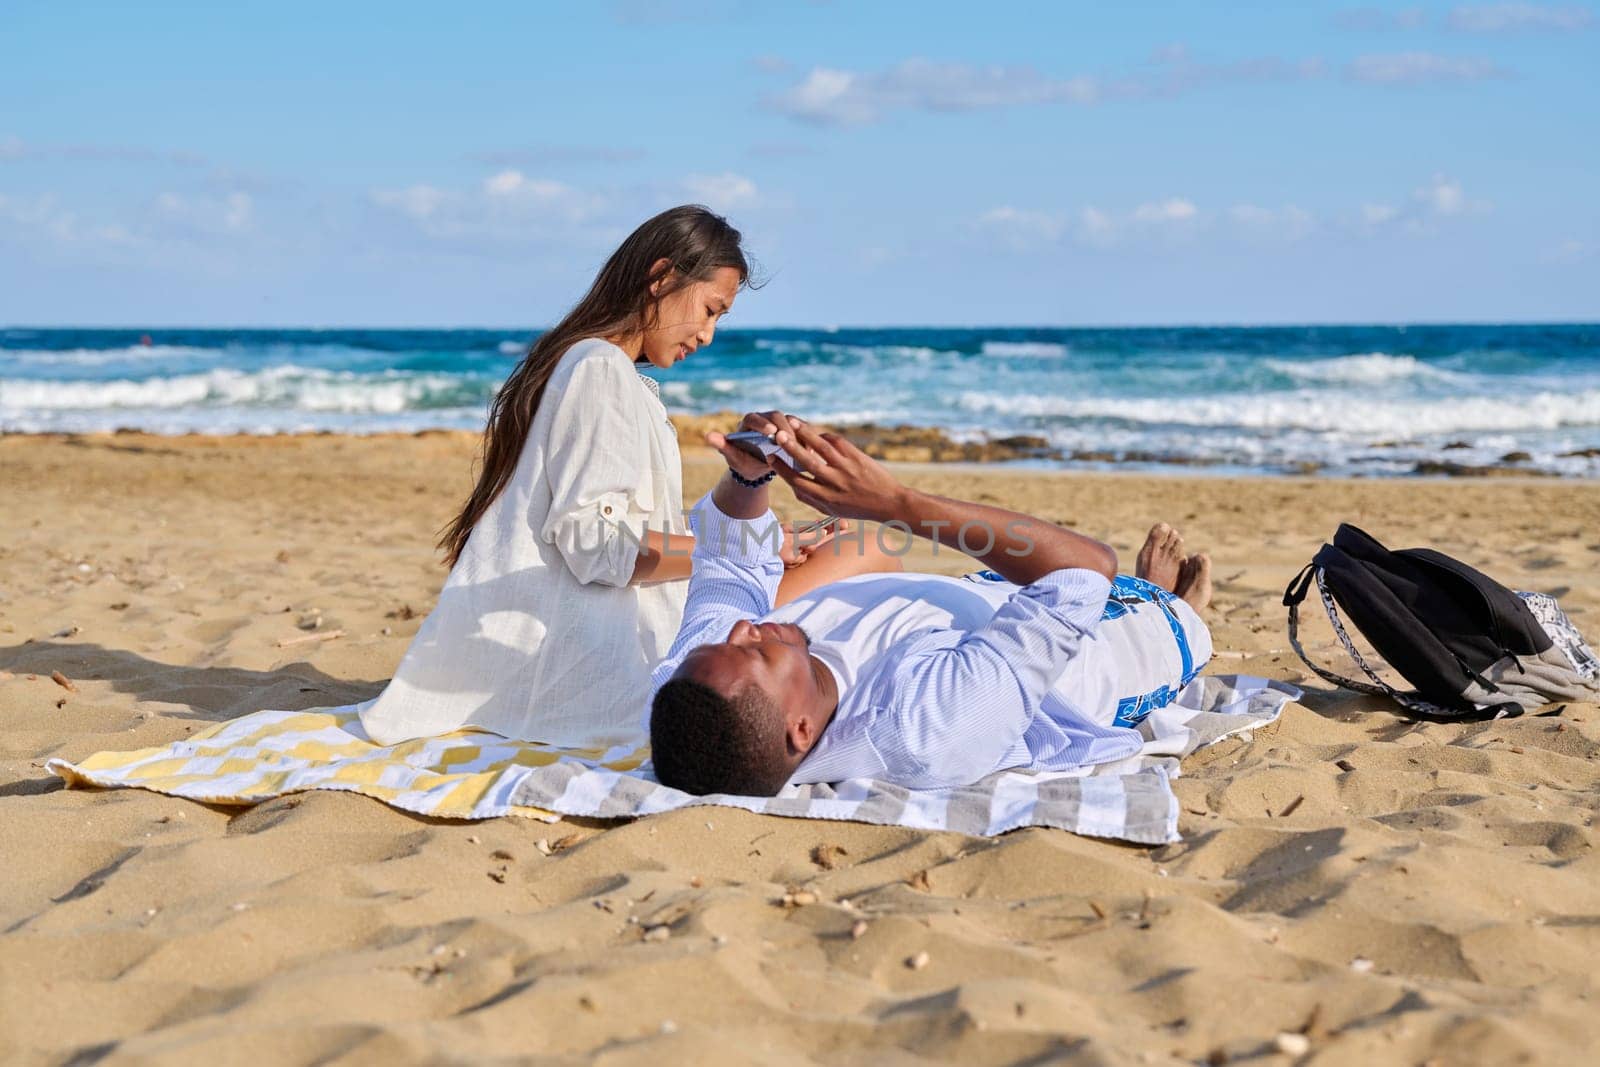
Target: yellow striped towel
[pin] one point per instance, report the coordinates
(464, 775)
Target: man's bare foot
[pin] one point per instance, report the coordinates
(1161, 557)
(1194, 581)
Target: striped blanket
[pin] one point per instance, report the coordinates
(480, 776)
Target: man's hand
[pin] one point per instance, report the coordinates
(839, 478)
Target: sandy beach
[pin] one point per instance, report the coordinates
(1351, 887)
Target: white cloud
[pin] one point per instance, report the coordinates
(1378, 214)
(722, 192)
(1287, 223)
(1174, 209)
(513, 183)
(1570, 251)
(828, 96)
(418, 202)
(1021, 230)
(1421, 68)
(1096, 226)
(1439, 199)
(167, 220)
(1444, 196)
(175, 215)
(507, 207)
(1510, 18)
(836, 97)
(41, 214)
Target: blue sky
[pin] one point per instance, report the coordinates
(930, 163)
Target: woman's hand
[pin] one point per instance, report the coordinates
(801, 541)
(775, 424)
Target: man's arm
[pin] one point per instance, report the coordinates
(843, 480)
(736, 562)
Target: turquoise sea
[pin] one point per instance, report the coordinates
(1374, 400)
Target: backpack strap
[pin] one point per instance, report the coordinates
(1413, 703)
(1293, 598)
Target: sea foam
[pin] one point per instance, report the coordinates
(1312, 411)
(1025, 349)
(1369, 368)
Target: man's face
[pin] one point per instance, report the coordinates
(774, 657)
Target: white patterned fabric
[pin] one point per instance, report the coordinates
(537, 634)
(480, 776)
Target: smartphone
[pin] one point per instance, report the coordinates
(760, 446)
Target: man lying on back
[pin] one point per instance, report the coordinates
(918, 679)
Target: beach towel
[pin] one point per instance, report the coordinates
(474, 775)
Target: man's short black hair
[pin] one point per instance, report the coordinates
(703, 742)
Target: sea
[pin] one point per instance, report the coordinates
(1338, 400)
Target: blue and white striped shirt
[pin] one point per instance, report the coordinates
(941, 681)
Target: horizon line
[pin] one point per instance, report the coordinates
(832, 327)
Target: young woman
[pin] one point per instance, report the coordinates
(570, 558)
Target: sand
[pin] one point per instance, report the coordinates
(1376, 890)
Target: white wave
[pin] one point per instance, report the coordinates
(1313, 411)
(513, 348)
(298, 388)
(1368, 368)
(97, 357)
(912, 352)
(783, 345)
(1026, 349)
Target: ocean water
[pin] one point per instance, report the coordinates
(1373, 400)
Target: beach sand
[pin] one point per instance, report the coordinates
(1379, 891)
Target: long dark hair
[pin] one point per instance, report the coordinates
(694, 241)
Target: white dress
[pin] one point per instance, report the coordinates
(537, 634)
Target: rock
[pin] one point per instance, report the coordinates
(1292, 1044)
(1516, 457)
(1436, 467)
(827, 856)
(917, 962)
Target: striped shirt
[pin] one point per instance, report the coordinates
(941, 681)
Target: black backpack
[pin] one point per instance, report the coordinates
(1472, 648)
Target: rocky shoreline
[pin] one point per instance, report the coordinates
(916, 444)
(928, 444)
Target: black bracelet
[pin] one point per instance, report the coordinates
(752, 483)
